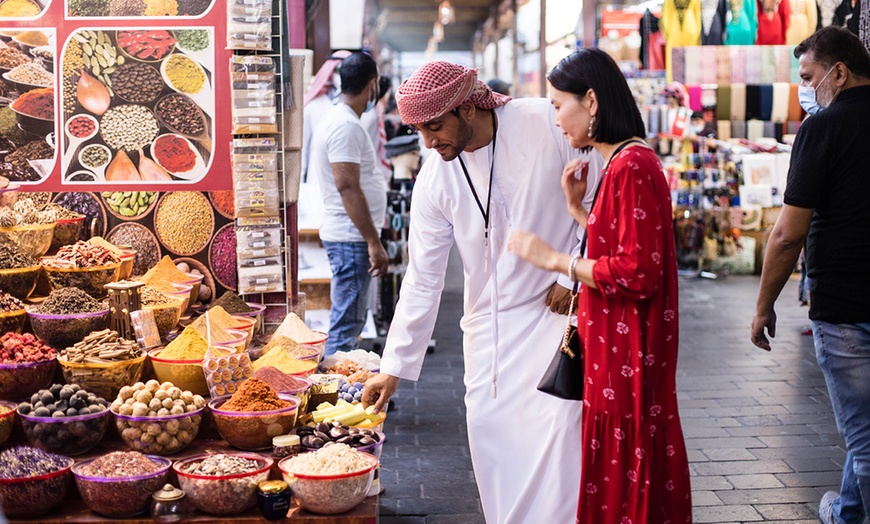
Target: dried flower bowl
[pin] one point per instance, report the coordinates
(60, 331)
(329, 494)
(222, 495)
(120, 496)
(33, 240)
(18, 381)
(89, 279)
(66, 435)
(104, 379)
(253, 430)
(29, 497)
(19, 282)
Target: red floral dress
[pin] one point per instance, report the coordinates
(634, 468)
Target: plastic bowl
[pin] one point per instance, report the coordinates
(29, 497)
(253, 430)
(121, 496)
(89, 279)
(166, 315)
(256, 314)
(239, 342)
(60, 331)
(138, 432)
(66, 435)
(303, 393)
(104, 379)
(186, 374)
(182, 294)
(33, 240)
(246, 324)
(319, 346)
(19, 282)
(19, 381)
(128, 256)
(66, 232)
(7, 419)
(12, 321)
(330, 494)
(195, 282)
(226, 494)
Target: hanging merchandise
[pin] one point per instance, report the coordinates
(255, 177)
(804, 19)
(258, 271)
(249, 25)
(253, 80)
(714, 16)
(773, 21)
(743, 27)
(847, 15)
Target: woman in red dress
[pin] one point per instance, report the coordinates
(634, 465)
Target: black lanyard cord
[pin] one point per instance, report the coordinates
(484, 213)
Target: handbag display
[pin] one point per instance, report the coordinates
(564, 375)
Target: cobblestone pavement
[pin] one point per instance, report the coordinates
(761, 438)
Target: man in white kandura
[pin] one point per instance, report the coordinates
(499, 168)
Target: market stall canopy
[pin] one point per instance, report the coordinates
(409, 23)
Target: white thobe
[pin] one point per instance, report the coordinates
(525, 445)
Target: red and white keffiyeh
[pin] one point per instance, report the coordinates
(439, 87)
(323, 78)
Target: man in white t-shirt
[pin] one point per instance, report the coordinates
(355, 200)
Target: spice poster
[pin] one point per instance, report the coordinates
(115, 95)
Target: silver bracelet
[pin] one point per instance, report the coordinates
(571, 266)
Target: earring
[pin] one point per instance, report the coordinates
(591, 125)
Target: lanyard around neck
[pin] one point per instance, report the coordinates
(484, 213)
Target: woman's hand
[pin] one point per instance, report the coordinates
(532, 249)
(574, 178)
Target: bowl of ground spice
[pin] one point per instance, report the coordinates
(180, 361)
(279, 358)
(67, 316)
(121, 483)
(35, 111)
(299, 387)
(19, 9)
(253, 415)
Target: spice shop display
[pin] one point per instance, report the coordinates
(225, 374)
(293, 348)
(153, 102)
(26, 365)
(233, 304)
(254, 414)
(64, 419)
(249, 25)
(18, 270)
(102, 363)
(32, 481)
(180, 362)
(281, 382)
(222, 483)
(253, 94)
(331, 480)
(121, 483)
(142, 240)
(156, 418)
(83, 265)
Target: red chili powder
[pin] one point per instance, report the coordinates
(174, 154)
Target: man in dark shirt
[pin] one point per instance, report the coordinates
(827, 205)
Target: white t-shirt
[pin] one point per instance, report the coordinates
(340, 137)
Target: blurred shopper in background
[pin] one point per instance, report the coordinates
(826, 208)
(499, 86)
(487, 178)
(319, 98)
(634, 467)
(355, 201)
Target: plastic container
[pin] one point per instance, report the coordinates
(181, 430)
(66, 435)
(246, 324)
(239, 342)
(318, 346)
(19, 381)
(222, 495)
(89, 279)
(12, 321)
(329, 494)
(256, 314)
(253, 430)
(166, 315)
(120, 496)
(373, 449)
(33, 240)
(128, 256)
(60, 331)
(195, 282)
(66, 232)
(7, 419)
(183, 294)
(186, 374)
(104, 379)
(303, 393)
(19, 282)
(30, 497)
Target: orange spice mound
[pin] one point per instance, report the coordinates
(254, 395)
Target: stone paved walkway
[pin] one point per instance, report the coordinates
(762, 442)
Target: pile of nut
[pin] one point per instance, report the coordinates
(81, 254)
(153, 399)
(101, 347)
(60, 401)
(55, 430)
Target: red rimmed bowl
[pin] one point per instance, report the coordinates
(239, 342)
(253, 430)
(120, 496)
(29, 497)
(329, 494)
(19, 381)
(222, 494)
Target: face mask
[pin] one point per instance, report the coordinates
(697, 129)
(807, 96)
(371, 103)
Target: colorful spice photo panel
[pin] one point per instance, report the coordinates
(136, 8)
(27, 126)
(138, 106)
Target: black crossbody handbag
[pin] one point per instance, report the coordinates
(565, 377)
